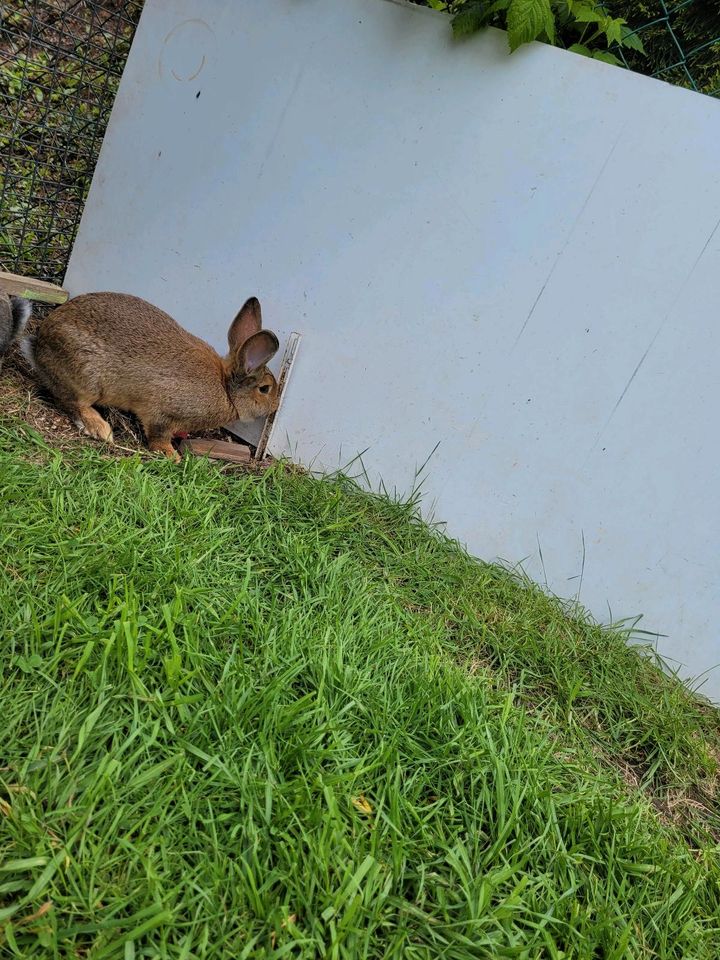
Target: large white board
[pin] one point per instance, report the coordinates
(518, 257)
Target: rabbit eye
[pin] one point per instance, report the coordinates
(265, 388)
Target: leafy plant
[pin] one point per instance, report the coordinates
(677, 42)
(582, 26)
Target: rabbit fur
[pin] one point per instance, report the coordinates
(14, 315)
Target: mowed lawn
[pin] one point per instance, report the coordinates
(270, 716)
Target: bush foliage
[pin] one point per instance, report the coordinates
(676, 40)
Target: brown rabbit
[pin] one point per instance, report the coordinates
(116, 350)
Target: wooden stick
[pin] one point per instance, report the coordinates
(217, 450)
(31, 289)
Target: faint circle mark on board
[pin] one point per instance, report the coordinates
(186, 50)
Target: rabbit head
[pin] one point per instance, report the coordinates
(251, 387)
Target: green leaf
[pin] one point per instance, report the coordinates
(613, 30)
(527, 19)
(498, 5)
(476, 15)
(585, 14)
(581, 49)
(437, 4)
(29, 664)
(606, 57)
(470, 19)
(631, 40)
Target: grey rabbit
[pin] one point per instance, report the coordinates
(14, 315)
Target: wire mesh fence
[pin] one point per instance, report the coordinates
(60, 63)
(61, 60)
(681, 39)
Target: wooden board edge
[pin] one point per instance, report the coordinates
(31, 289)
(285, 370)
(217, 450)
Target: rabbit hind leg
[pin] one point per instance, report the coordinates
(83, 414)
(159, 438)
(90, 422)
(76, 401)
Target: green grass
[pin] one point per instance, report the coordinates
(268, 716)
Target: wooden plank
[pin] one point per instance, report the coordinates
(217, 450)
(31, 289)
(285, 370)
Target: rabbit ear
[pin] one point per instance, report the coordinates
(246, 323)
(255, 352)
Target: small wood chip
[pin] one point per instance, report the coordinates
(217, 450)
